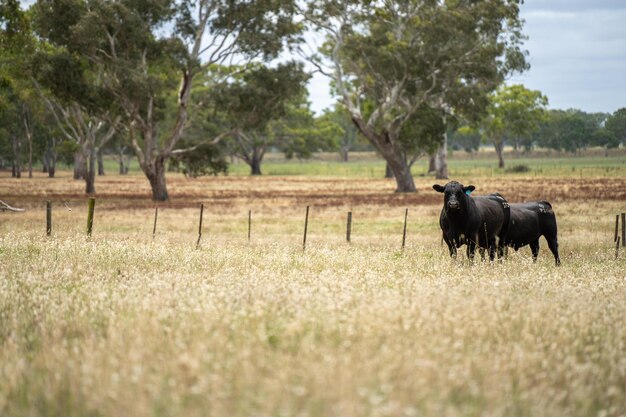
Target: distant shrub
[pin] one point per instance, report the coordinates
(517, 169)
(204, 160)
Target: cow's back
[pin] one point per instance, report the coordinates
(531, 220)
(494, 212)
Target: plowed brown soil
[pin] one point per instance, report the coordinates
(283, 192)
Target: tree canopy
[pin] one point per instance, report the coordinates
(514, 112)
(390, 61)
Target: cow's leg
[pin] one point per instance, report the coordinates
(482, 254)
(491, 246)
(453, 251)
(553, 244)
(451, 247)
(471, 249)
(501, 249)
(534, 248)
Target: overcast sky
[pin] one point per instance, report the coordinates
(577, 54)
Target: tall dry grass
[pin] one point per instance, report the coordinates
(121, 324)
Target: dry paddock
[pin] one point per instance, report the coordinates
(124, 323)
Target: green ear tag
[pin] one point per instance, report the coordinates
(468, 192)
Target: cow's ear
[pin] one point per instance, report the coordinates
(438, 188)
(468, 190)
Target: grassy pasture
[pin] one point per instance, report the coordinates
(124, 324)
(592, 163)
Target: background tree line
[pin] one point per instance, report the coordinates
(187, 85)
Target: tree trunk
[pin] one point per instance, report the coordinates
(15, 170)
(398, 164)
(26, 119)
(80, 166)
(90, 178)
(432, 165)
(51, 157)
(388, 171)
(343, 153)
(16, 144)
(499, 150)
(52, 167)
(441, 160)
(122, 161)
(156, 176)
(29, 136)
(402, 173)
(100, 164)
(255, 165)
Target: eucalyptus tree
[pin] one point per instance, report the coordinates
(348, 136)
(75, 96)
(251, 100)
(570, 130)
(514, 112)
(616, 126)
(10, 132)
(300, 134)
(149, 51)
(388, 60)
(16, 45)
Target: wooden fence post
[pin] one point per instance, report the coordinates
(306, 226)
(200, 226)
(90, 209)
(623, 228)
(616, 227)
(617, 248)
(406, 214)
(156, 213)
(349, 227)
(249, 224)
(48, 218)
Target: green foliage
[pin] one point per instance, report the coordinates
(260, 94)
(266, 107)
(466, 138)
(616, 126)
(66, 150)
(395, 65)
(570, 130)
(514, 112)
(347, 136)
(518, 169)
(204, 160)
(423, 132)
(299, 134)
(262, 26)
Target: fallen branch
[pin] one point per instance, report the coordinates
(5, 206)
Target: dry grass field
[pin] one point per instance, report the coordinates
(124, 324)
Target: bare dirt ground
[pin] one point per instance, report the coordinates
(276, 192)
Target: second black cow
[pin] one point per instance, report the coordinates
(475, 221)
(530, 221)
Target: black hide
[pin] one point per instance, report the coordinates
(530, 221)
(481, 220)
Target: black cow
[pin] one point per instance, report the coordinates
(471, 220)
(530, 221)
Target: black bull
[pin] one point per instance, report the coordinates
(475, 221)
(530, 221)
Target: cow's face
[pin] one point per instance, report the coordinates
(454, 194)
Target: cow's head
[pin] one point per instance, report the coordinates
(454, 194)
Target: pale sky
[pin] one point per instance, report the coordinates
(577, 54)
